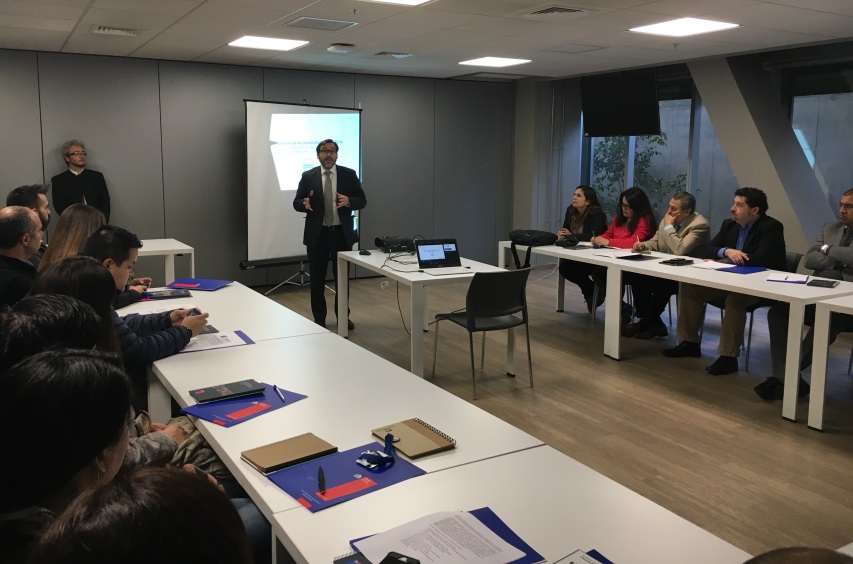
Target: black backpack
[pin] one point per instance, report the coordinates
(529, 238)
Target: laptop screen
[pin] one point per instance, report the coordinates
(438, 253)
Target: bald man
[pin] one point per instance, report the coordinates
(20, 239)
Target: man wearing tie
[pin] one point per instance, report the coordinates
(830, 257)
(328, 194)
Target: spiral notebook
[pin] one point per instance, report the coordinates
(289, 452)
(415, 438)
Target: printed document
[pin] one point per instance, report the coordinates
(452, 537)
(220, 340)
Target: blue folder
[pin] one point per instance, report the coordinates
(230, 412)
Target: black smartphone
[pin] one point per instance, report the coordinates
(822, 283)
(194, 311)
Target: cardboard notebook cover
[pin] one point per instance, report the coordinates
(416, 438)
(286, 453)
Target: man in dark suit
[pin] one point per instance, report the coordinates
(749, 238)
(20, 237)
(328, 194)
(830, 257)
(79, 184)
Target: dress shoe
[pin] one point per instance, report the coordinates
(723, 365)
(630, 330)
(350, 324)
(685, 348)
(627, 312)
(651, 332)
(773, 389)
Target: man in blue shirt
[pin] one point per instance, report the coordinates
(749, 238)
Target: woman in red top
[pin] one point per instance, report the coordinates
(634, 222)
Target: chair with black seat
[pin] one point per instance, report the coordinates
(792, 261)
(495, 301)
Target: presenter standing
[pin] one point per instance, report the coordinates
(328, 194)
(79, 185)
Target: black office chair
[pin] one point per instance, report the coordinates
(494, 302)
(792, 261)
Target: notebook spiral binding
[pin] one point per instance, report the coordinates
(436, 431)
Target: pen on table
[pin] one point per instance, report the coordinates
(280, 394)
(321, 480)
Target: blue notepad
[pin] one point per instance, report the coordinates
(204, 284)
(230, 412)
(743, 269)
(344, 478)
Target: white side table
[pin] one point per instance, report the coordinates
(168, 248)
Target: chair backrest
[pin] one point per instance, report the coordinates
(792, 261)
(492, 294)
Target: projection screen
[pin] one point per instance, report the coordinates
(281, 142)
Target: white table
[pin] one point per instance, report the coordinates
(553, 502)
(350, 391)
(234, 307)
(418, 282)
(798, 296)
(169, 248)
(823, 311)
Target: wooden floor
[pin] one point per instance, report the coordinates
(705, 447)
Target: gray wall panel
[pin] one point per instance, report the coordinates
(397, 157)
(112, 104)
(20, 145)
(473, 165)
(204, 162)
(319, 88)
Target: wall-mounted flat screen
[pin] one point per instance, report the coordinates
(620, 104)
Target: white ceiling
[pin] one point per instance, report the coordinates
(439, 34)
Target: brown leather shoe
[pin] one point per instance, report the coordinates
(651, 332)
(630, 330)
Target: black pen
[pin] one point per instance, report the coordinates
(321, 480)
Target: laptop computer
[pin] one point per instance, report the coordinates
(439, 257)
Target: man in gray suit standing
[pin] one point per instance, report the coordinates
(830, 257)
(328, 194)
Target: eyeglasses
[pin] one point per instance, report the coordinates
(328, 151)
(625, 206)
(78, 154)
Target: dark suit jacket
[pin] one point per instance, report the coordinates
(595, 223)
(348, 185)
(69, 188)
(15, 279)
(839, 259)
(765, 243)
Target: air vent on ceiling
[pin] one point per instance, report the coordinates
(119, 31)
(391, 54)
(555, 11)
(320, 23)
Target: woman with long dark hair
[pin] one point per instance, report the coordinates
(584, 219)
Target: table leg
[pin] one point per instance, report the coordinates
(819, 363)
(613, 312)
(426, 309)
(343, 295)
(561, 292)
(192, 264)
(170, 268)
(510, 351)
(418, 307)
(792, 361)
(159, 400)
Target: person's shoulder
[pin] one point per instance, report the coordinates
(699, 219)
(90, 172)
(310, 172)
(767, 222)
(596, 210)
(345, 170)
(61, 176)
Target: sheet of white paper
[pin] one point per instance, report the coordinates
(452, 537)
(162, 306)
(788, 277)
(221, 340)
(614, 253)
(710, 265)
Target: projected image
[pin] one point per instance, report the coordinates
(294, 139)
(281, 143)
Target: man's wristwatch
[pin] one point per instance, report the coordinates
(825, 249)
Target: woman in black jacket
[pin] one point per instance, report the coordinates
(584, 220)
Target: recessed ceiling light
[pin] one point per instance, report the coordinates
(272, 43)
(401, 2)
(494, 62)
(684, 27)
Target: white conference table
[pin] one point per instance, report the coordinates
(234, 307)
(350, 391)
(553, 502)
(798, 296)
(169, 248)
(823, 311)
(409, 275)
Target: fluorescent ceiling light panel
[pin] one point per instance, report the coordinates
(683, 27)
(494, 62)
(271, 43)
(400, 2)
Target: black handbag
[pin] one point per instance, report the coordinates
(529, 238)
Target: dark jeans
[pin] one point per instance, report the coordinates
(651, 295)
(326, 249)
(579, 273)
